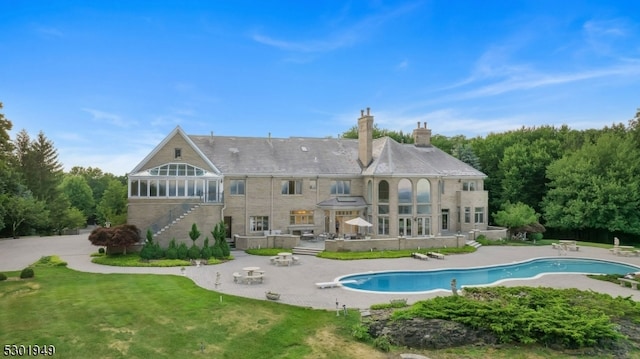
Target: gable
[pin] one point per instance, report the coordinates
(165, 152)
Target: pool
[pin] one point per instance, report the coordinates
(440, 279)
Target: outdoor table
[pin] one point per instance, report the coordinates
(250, 270)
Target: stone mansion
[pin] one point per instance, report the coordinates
(305, 185)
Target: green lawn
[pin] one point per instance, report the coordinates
(143, 316)
(88, 315)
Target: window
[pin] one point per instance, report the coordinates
(383, 192)
(479, 215)
(177, 153)
(237, 187)
(341, 187)
(383, 225)
(258, 223)
(423, 196)
(469, 186)
(369, 191)
(291, 187)
(467, 214)
(313, 184)
(405, 197)
(302, 216)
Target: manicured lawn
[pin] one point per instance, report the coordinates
(88, 315)
(149, 316)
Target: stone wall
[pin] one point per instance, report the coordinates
(362, 245)
(275, 241)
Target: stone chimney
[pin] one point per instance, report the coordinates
(365, 138)
(422, 136)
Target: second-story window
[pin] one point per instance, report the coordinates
(290, 187)
(177, 153)
(341, 187)
(236, 187)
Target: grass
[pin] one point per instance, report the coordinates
(133, 260)
(87, 315)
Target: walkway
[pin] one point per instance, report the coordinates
(296, 284)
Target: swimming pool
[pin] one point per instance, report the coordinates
(440, 279)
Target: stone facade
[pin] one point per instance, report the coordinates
(305, 185)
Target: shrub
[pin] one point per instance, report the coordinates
(101, 250)
(27, 273)
(183, 251)
(194, 252)
(50, 261)
(536, 236)
(361, 332)
(206, 253)
(172, 253)
(3, 277)
(382, 344)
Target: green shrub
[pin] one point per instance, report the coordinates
(146, 253)
(382, 344)
(183, 251)
(50, 261)
(101, 250)
(3, 277)
(206, 253)
(172, 253)
(27, 273)
(361, 332)
(194, 252)
(536, 236)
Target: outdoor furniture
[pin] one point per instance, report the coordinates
(436, 255)
(420, 256)
(624, 281)
(238, 277)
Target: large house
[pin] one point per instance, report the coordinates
(296, 185)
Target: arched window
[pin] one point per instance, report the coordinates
(176, 180)
(369, 191)
(405, 197)
(383, 207)
(423, 196)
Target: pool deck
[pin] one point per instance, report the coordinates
(296, 283)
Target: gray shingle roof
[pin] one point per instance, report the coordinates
(325, 156)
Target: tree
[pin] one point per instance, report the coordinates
(21, 210)
(464, 153)
(79, 193)
(377, 132)
(113, 206)
(518, 217)
(122, 236)
(596, 187)
(38, 163)
(194, 234)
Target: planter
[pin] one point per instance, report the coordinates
(272, 295)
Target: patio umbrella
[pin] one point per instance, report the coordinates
(358, 222)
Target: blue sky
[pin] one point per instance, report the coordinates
(106, 81)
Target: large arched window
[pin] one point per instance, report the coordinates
(383, 207)
(423, 196)
(176, 180)
(405, 197)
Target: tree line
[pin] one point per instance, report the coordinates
(582, 184)
(38, 198)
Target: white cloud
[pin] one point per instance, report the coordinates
(106, 117)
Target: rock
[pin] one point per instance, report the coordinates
(430, 333)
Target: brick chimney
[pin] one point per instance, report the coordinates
(422, 136)
(365, 138)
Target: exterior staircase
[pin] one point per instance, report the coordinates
(176, 221)
(309, 251)
(473, 243)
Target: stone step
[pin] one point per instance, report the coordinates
(306, 251)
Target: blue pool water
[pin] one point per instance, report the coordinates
(440, 279)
